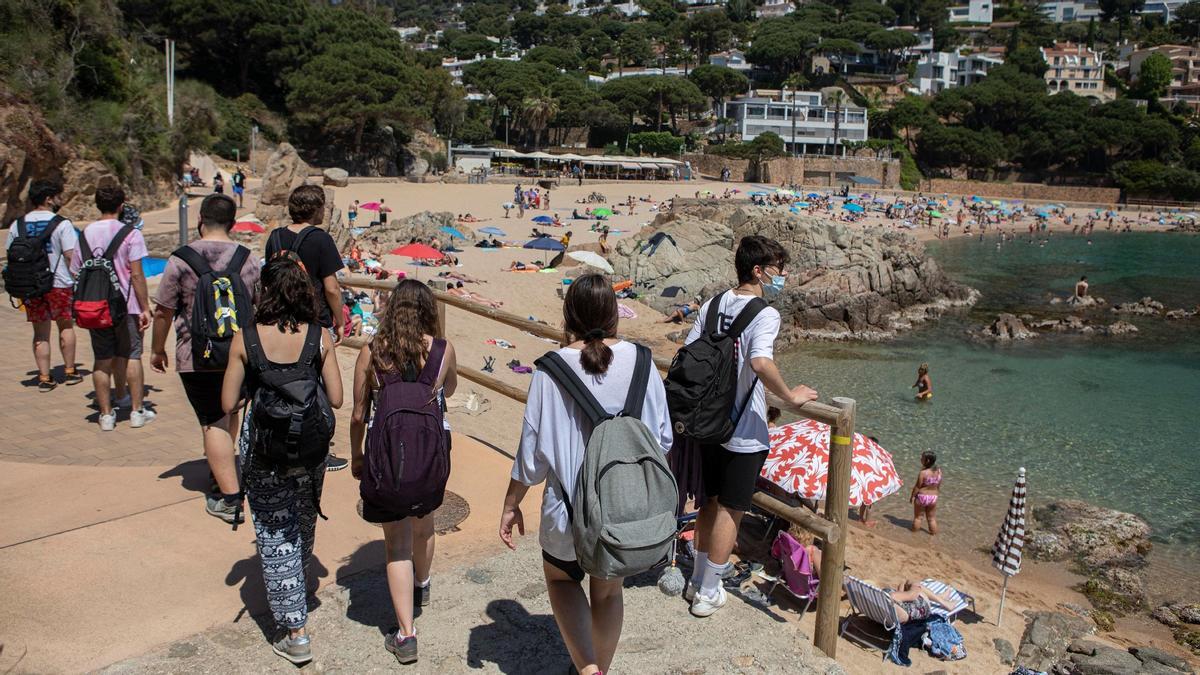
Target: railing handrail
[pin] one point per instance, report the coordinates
(840, 417)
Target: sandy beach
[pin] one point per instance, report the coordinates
(886, 553)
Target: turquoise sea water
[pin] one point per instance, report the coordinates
(1110, 420)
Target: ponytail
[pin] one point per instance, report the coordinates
(590, 315)
(596, 356)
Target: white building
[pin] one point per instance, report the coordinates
(975, 11)
(774, 8)
(455, 66)
(1085, 10)
(581, 8)
(734, 59)
(943, 70)
(764, 111)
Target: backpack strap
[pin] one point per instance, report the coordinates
(300, 237)
(748, 314)
(636, 397)
(255, 356)
(560, 372)
(85, 249)
(712, 322)
(193, 259)
(433, 363)
(117, 240)
(312, 348)
(234, 268)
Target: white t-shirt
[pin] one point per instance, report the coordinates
(552, 437)
(758, 340)
(63, 239)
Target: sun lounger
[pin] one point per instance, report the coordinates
(870, 602)
(962, 600)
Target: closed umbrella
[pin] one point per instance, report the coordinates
(593, 259)
(1006, 552)
(453, 232)
(799, 463)
(494, 231)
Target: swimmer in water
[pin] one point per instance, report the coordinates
(923, 386)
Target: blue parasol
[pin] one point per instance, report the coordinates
(546, 220)
(494, 231)
(453, 232)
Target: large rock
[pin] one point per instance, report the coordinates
(1103, 660)
(425, 226)
(29, 150)
(1047, 636)
(844, 283)
(336, 177)
(1098, 537)
(1120, 328)
(1116, 590)
(1007, 327)
(81, 177)
(1145, 307)
(285, 172)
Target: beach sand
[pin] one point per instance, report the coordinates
(887, 553)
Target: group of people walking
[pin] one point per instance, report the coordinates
(255, 354)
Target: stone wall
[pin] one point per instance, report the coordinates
(1024, 191)
(805, 170)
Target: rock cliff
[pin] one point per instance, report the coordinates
(845, 284)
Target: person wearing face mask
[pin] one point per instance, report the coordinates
(202, 382)
(729, 470)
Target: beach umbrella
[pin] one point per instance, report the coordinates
(1006, 552)
(757, 194)
(369, 206)
(249, 226)
(593, 259)
(976, 198)
(997, 202)
(602, 211)
(508, 205)
(798, 462)
(935, 214)
(453, 232)
(544, 244)
(417, 251)
(492, 230)
(546, 220)
(812, 195)
(852, 208)
(801, 205)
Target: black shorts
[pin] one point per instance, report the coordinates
(730, 476)
(203, 390)
(569, 567)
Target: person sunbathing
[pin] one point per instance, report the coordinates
(914, 602)
(682, 312)
(518, 266)
(461, 292)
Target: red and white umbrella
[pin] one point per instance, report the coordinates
(799, 463)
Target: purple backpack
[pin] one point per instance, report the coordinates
(407, 452)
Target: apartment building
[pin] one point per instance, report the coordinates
(1077, 69)
(774, 110)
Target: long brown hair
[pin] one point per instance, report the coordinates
(287, 299)
(410, 315)
(590, 314)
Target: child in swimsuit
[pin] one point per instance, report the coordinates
(924, 386)
(925, 491)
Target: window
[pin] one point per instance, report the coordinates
(776, 112)
(754, 111)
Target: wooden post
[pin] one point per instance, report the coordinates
(441, 319)
(837, 505)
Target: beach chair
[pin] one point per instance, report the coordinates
(870, 602)
(796, 574)
(962, 600)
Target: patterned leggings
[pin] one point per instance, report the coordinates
(284, 505)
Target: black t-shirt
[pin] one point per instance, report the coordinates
(239, 179)
(320, 257)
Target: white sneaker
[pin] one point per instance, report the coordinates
(125, 401)
(108, 422)
(689, 591)
(139, 418)
(703, 606)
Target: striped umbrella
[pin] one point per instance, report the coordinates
(1006, 552)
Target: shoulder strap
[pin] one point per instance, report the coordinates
(433, 363)
(20, 226)
(254, 352)
(748, 313)
(85, 248)
(560, 372)
(117, 240)
(274, 240)
(312, 347)
(193, 259)
(234, 268)
(636, 397)
(303, 234)
(712, 322)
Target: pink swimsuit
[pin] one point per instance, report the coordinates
(929, 500)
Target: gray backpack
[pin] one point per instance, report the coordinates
(622, 510)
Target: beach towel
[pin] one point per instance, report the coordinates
(905, 637)
(501, 343)
(625, 312)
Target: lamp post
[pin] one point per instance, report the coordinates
(505, 114)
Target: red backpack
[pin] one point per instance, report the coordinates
(98, 302)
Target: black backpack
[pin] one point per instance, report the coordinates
(28, 273)
(98, 302)
(291, 421)
(220, 308)
(275, 241)
(702, 381)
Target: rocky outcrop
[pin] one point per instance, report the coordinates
(1145, 307)
(1007, 327)
(844, 283)
(81, 177)
(335, 177)
(1098, 537)
(1076, 302)
(424, 226)
(1184, 620)
(1177, 314)
(285, 172)
(1046, 638)
(29, 150)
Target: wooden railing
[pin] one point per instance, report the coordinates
(831, 527)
